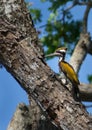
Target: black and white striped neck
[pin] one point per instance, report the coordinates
(62, 57)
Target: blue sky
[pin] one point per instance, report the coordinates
(11, 94)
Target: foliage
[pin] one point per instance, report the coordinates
(60, 34)
(90, 78)
(36, 15)
(61, 29)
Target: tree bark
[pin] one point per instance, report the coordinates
(21, 55)
(80, 51)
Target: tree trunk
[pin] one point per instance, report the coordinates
(21, 55)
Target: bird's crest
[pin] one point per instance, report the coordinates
(61, 49)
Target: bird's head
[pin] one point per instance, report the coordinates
(60, 52)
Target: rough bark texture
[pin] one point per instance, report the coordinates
(29, 118)
(24, 118)
(21, 55)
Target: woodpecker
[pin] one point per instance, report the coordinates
(68, 70)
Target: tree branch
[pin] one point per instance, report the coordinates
(86, 92)
(24, 118)
(74, 3)
(83, 47)
(80, 51)
(85, 18)
(85, 3)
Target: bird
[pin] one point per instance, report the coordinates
(68, 71)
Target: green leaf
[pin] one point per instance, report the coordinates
(43, 0)
(36, 15)
(90, 78)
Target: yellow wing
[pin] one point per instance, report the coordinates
(68, 70)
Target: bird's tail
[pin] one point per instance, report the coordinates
(76, 93)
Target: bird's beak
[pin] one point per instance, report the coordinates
(52, 54)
